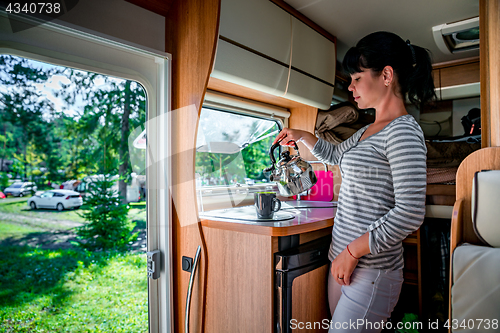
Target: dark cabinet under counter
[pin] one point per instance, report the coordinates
(307, 262)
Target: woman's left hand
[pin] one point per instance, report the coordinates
(342, 267)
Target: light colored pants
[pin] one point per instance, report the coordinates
(366, 303)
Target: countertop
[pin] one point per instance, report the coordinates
(298, 217)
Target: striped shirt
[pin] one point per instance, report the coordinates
(382, 192)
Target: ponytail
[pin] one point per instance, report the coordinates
(420, 84)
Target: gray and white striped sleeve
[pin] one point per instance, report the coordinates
(406, 154)
(330, 153)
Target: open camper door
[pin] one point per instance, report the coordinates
(67, 43)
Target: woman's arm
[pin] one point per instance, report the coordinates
(288, 135)
(406, 154)
(324, 151)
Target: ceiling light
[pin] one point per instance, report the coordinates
(458, 36)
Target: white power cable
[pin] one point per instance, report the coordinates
(291, 52)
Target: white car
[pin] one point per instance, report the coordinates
(58, 199)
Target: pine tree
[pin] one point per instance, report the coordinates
(109, 226)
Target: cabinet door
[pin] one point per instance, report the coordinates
(259, 25)
(310, 299)
(313, 53)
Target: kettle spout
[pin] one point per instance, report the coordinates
(275, 175)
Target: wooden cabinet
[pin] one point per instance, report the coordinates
(455, 73)
(240, 281)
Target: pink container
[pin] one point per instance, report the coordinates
(323, 189)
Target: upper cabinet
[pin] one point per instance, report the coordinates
(457, 79)
(313, 53)
(258, 25)
(263, 47)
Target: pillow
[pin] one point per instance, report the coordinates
(485, 207)
(475, 293)
(344, 113)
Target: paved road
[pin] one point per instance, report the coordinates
(12, 200)
(38, 222)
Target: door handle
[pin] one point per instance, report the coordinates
(190, 289)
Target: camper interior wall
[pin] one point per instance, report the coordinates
(119, 19)
(192, 28)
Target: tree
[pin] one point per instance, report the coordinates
(23, 107)
(248, 163)
(109, 113)
(6, 149)
(109, 226)
(92, 141)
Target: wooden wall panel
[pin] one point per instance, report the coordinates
(191, 38)
(304, 118)
(489, 25)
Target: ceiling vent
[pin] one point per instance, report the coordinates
(458, 36)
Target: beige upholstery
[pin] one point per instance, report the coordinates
(476, 285)
(486, 207)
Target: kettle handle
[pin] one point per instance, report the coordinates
(276, 145)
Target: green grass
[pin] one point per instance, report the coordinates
(10, 229)
(69, 290)
(72, 291)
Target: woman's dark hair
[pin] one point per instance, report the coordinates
(411, 64)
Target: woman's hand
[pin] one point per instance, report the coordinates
(288, 136)
(345, 262)
(342, 267)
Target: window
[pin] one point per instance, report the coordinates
(232, 151)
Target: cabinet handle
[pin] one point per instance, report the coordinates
(190, 289)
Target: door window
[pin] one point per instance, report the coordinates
(111, 59)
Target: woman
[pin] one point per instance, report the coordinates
(383, 167)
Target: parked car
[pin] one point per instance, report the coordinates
(56, 199)
(20, 189)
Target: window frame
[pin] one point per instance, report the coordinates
(88, 50)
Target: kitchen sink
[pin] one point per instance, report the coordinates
(305, 204)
